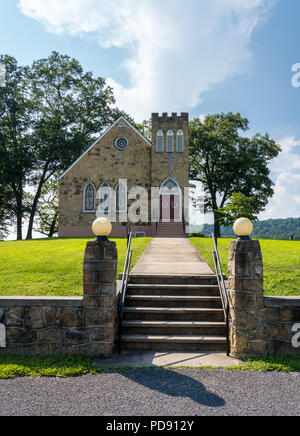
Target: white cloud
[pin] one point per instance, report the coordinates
(288, 159)
(179, 49)
(288, 143)
(286, 200)
(285, 171)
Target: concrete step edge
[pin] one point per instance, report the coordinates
(172, 276)
(166, 286)
(174, 297)
(171, 309)
(173, 338)
(137, 323)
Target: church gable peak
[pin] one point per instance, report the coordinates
(121, 124)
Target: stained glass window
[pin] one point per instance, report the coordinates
(89, 198)
(121, 143)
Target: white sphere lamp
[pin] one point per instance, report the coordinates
(102, 228)
(243, 228)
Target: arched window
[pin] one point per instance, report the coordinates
(105, 198)
(169, 187)
(170, 142)
(180, 142)
(121, 198)
(160, 141)
(89, 195)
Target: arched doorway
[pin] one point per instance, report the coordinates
(170, 200)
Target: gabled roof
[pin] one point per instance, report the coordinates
(102, 136)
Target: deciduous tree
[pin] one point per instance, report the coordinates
(226, 161)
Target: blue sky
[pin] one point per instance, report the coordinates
(200, 56)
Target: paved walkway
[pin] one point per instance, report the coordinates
(171, 256)
(140, 359)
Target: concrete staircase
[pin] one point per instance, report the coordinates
(173, 313)
(170, 230)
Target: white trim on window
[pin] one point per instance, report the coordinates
(121, 189)
(85, 210)
(170, 141)
(105, 186)
(169, 187)
(160, 141)
(180, 141)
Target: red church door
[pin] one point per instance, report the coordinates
(169, 207)
(172, 207)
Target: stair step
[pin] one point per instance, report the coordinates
(184, 290)
(173, 328)
(173, 338)
(165, 279)
(169, 289)
(170, 224)
(173, 314)
(172, 342)
(174, 301)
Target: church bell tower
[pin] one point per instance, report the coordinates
(170, 161)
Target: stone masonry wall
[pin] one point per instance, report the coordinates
(104, 163)
(259, 325)
(52, 325)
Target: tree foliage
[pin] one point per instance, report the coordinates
(268, 229)
(238, 206)
(227, 162)
(50, 114)
(17, 156)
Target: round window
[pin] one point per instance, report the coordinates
(121, 143)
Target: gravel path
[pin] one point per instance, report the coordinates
(155, 392)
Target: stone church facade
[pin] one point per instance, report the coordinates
(120, 160)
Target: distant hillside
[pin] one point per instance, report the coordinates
(269, 229)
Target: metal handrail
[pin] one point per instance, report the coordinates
(222, 289)
(124, 286)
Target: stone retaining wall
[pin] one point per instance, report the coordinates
(87, 325)
(259, 325)
(280, 315)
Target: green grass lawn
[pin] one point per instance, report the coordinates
(281, 263)
(51, 267)
(12, 366)
(54, 267)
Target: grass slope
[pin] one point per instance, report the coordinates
(51, 267)
(281, 263)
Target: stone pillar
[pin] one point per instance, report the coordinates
(245, 289)
(99, 296)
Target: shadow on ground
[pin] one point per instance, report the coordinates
(174, 384)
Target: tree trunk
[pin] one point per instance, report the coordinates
(18, 192)
(53, 228)
(35, 202)
(19, 227)
(33, 212)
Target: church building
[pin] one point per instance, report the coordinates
(120, 160)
